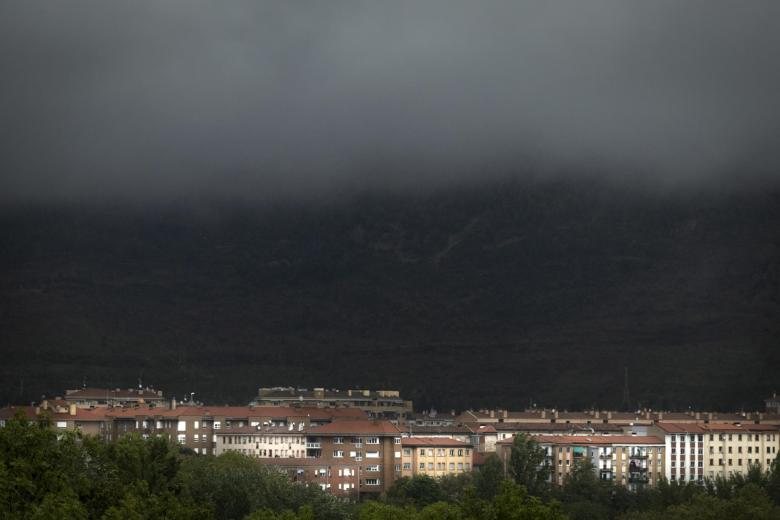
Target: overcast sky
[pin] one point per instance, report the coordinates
(161, 99)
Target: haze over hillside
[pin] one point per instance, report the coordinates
(509, 292)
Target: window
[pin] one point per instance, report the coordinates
(338, 440)
(373, 467)
(460, 452)
(182, 426)
(407, 465)
(217, 425)
(338, 453)
(372, 440)
(398, 467)
(372, 454)
(430, 466)
(371, 482)
(62, 424)
(407, 452)
(422, 466)
(460, 466)
(397, 440)
(422, 452)
(196, 425)
(181, 438)
(452, 466)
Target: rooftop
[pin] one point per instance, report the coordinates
(433, 441)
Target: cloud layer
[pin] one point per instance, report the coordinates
(153, 100)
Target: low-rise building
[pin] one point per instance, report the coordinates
(379, 404)
(87, 397)
(435, 456)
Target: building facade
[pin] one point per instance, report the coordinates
(435, 456)
(378, 404)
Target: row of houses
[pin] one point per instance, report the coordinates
(351, 449)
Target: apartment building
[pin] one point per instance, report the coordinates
(263, 441)
(435, 456)
(364, 453)
(96, 397)
(631, 460)
(622, 419)
(699, 451)
(734, 448)
(378, 404)
(193, 427)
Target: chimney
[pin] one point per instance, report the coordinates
(72, 409)
(173, 403)
(698, 416)
(647, 415)
(660, 416)
(45, 404)
(505, 414)
(492, 414)
(609, 415)
(544, 414)
(556, 414)
(349, 393)
(709, 416)
(597, 414)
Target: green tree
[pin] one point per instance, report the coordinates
(514, 503)
(527, 464)
(487, 481)
(418, 491)
(773, 481)
(372, 510)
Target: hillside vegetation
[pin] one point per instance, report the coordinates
(496, 294)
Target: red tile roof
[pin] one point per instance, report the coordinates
(599, 439)
(672, 427)
(347, 427)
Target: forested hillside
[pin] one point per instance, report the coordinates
(494, 294)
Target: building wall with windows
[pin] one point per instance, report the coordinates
(630, 460)
(435, 457)
(731, 449)
(369, 450)
(699, 451)
(263, 442)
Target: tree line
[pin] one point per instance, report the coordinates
(45, 474)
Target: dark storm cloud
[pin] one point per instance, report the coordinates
(160, 99)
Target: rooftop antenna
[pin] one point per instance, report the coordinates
(626, 395)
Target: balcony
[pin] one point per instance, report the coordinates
(313, 445)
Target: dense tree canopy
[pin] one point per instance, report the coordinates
(46, 474)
